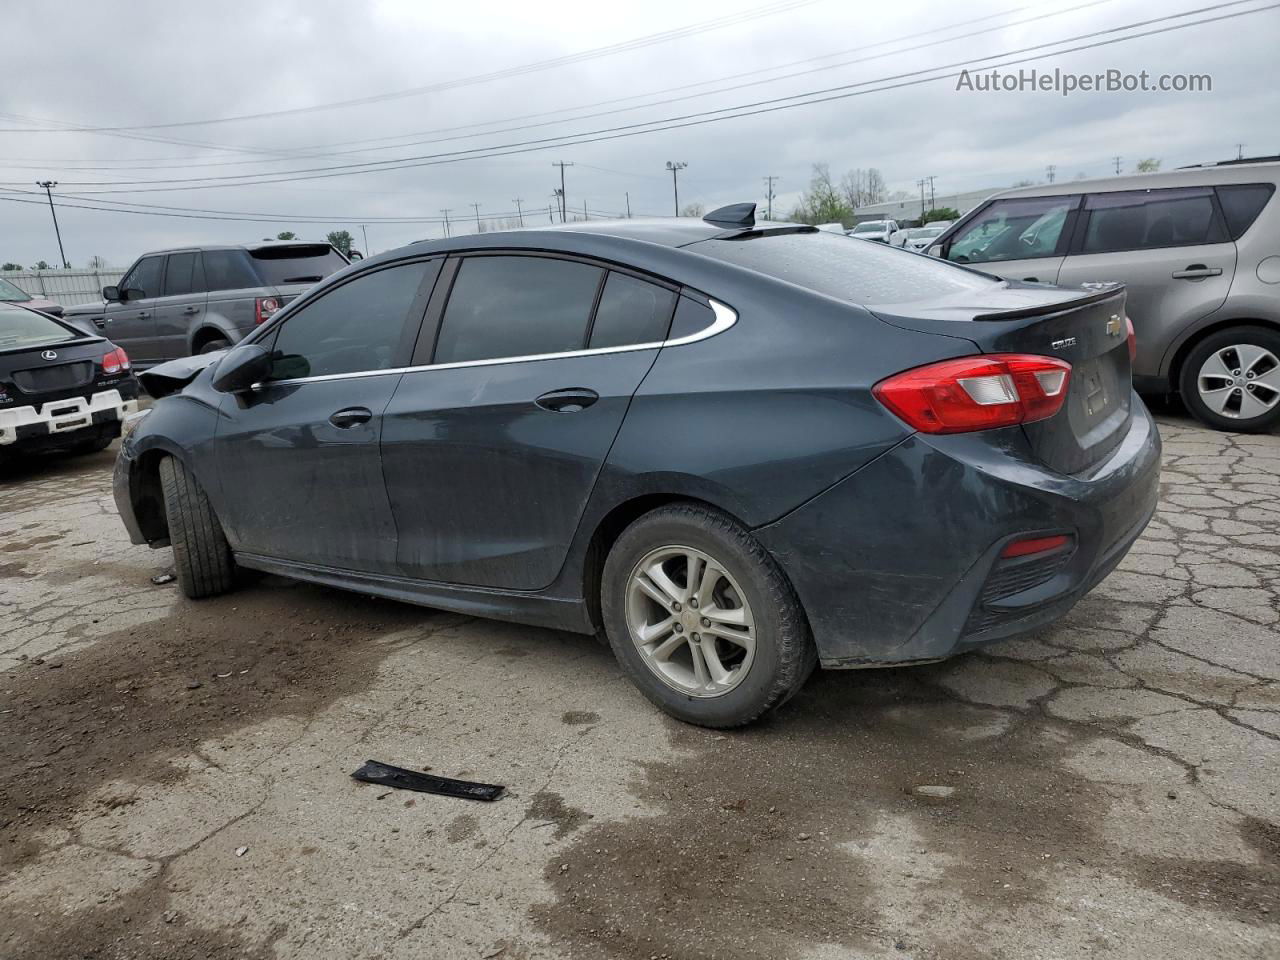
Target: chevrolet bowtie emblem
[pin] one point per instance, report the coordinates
(1114, 326)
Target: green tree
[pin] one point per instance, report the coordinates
(940, 213)
(1148, 165)
(41, 265)
(341, 241)
(286, 235)
(823, 202)
(10, 265)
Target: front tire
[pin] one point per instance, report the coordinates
(1231, 379)
(701, 618)
(201, 556)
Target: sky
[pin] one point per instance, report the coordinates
(253, 91)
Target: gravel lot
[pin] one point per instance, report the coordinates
(174, 775)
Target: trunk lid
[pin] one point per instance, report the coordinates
(1085, 327)
(28, 378)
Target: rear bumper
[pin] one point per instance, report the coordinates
(898, 562)
(66, 421)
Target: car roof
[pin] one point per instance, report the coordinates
(1202, 176)
(259, 245)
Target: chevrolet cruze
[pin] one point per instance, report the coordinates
(735, 449)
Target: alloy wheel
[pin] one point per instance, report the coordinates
(1241, 381)
(690, 621)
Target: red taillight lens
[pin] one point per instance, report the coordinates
(263, 308)
(115, 361)
(1133, 339)
(1025, 548)
(977, 393)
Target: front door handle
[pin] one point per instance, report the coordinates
(567, 400)
(1030, 279)
(1197, 271)
(190, 311)
(144, 314)
(351, 417)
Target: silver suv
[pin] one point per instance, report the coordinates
(175, 303)
(1198, 249)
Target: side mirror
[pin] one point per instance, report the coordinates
(241, 368)
(111, 294)
(353, 255)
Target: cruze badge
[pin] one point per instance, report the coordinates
(1064, 342)
(1114, 325)
(49, 355)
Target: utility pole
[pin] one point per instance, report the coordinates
(920, 183)
(675, 168)
(48, 192)
(519, 211)
(445, 211)
(364, 232)
(933, 202)
(564, 203)
(551, 217)
(628, 204)
(585, 215)
(1050, 170)
(476, 208)
(769, 194)
(1117, 160)
(1239, 153)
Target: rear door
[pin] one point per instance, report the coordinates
(492, 450)
(1171, 250)
(180, 305)
(132, 323)
(1017, 238)
(299, 467)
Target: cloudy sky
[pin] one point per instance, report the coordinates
(459, 94)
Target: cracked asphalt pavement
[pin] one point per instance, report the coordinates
(174, 776)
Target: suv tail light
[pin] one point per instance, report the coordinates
(977, 393)
(115, 361)
(264, 308)
(1133, 339)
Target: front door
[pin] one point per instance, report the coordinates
(131, 322)
(491, 453)
(299, 466)
(1019, 238)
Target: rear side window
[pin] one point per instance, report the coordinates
(631, 311)
(145, 277)
(354, 328)
(511, 306)
(1148, 219)
(296, 263)
(228, 270)
(845, 268)
(183, 275)
(1019, 228)
(1241, 203)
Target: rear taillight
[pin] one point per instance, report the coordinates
(977, 393)
(115, 361)
(1133, 339)
(264, 308)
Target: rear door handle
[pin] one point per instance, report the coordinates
(144, 314)
(1197, 271)
(190, 311)
(351, 417)
(567, 400)
(1030, 279)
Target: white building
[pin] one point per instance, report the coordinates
(909, 207)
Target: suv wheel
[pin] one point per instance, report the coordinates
(218, 343)
(701, 618)
(1231, 379)
(201, 557)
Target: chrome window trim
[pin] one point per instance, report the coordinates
(725, 317)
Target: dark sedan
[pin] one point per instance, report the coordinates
(738, 450)
(60, 388)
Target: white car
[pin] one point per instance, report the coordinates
(878, 230)
(918, 238)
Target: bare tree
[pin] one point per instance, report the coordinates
(692, 210)
(1148, 165)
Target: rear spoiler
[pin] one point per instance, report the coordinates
(166, 378)
(1095, 293)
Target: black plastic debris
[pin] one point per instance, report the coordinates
(374, 771)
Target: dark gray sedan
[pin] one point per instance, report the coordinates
(736, 449)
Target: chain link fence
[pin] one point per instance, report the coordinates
(67, 287)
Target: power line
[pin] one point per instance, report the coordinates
(808, 98)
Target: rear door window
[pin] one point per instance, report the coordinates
(144, 277)
(1241, 204)
(353, 328)
(1013, 229)
(845, 268)
(517, 306)
(631, 311)
(296, 263)
(228, 270)
(182, 275)
(1149, 219)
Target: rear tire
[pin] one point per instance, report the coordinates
(215, 345)
(1231, 379)
(201, 556)
(737, 681)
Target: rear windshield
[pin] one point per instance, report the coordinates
(10, 291)
(26, 328)
(847, 269)
(304, 263)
